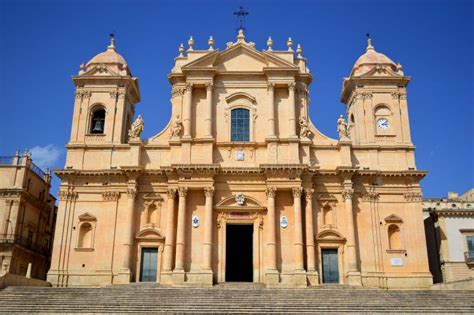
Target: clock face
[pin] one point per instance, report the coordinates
(382, 123)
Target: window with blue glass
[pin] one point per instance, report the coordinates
(240, 125)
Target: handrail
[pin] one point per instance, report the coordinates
(24, 242)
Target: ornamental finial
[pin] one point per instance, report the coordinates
(240, 36)
(269, 44)
(211, 43)
(289, 43)
(112, 42)
(369, 43)
(190, 43)
(181, 50)
(299, 50)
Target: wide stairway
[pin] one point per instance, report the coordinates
(235, 298)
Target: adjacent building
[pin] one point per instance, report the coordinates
(449, 225)
(28, 216)
(240, 185)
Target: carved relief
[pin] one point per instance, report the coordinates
(413, 197)
(347, 193)
(183, 191)
(177, 128)
(136, 128)
(110, 195)
(297, 191)
(209, 191)
(83, 94)
(271, 192)
(171, 193)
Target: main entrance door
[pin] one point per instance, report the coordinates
(149, 264)
(239, 253)
(330, 266)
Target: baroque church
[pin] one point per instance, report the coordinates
(240, 186)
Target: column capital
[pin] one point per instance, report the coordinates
(189, 87)
(347, 193)
(270, 86)
(291, 86)
(209, 191)
(271, 192)
(183, 191)
(209, 86)
(171, 192)
(297, 191)
(309, 192)
(132, 192)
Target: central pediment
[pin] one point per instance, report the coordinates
(239, 58)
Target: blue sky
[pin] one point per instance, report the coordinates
(43, 43)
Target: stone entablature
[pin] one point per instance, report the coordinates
(240, 149)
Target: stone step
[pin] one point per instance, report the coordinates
(232, 298)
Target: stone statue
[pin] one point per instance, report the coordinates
(304, 129)
(343, 128)
(177, 128)
(136, 128)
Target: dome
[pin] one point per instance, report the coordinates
(110, 56)
(370, 59)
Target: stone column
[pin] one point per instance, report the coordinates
(297, 229)
(271, 112)
(272, 272)
(208, 114)
(208, 224)
(127, 233)
(292, 112)
(180, 235)
(353, 275)
(187, 110)
(170, 236)
(310, 252)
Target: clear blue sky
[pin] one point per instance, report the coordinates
(43, 43)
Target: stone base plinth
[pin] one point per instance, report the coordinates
(353, 278)
(272, 278)
(178, 277)
(202, 278)
(313, 278)
(166, 277)
(299, 279)
(123, 277)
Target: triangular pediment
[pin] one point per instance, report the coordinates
(100, 70)
(239, 58)
(393, 218)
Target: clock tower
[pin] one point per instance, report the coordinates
(375, 95)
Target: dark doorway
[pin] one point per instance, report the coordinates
(330, 266)
(239, 253)
(149, 264)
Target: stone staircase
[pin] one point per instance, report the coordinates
(232, 298)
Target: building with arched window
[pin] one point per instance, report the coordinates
(240, 185)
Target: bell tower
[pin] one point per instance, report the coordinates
(106, 94)
(375, 95)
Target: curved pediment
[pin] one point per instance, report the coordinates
(150, 234)
(239, 201)
(87, 217)
(240, 95)
(330, 236)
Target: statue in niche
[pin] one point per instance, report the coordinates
(343, 128)
(304, 129)
(177, 128)
(136, 128)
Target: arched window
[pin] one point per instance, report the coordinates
(97, 121)
(240, 125)
(394, 238)
(85, 236)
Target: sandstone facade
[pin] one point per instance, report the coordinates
(240, 182)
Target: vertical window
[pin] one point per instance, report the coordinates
(97, 121)
(470, 247)
(240, 125)
(394, 237)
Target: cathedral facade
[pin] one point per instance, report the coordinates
(240, 185)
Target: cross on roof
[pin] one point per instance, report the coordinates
(240, 18)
